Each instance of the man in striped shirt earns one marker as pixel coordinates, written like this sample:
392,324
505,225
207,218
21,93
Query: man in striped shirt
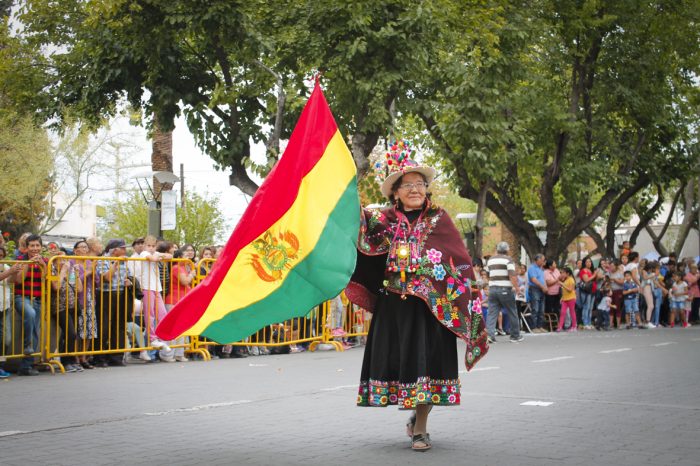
503,283
28,280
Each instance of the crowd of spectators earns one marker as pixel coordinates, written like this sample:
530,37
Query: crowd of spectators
625,292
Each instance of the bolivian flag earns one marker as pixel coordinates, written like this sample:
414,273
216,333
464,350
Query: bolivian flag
294,247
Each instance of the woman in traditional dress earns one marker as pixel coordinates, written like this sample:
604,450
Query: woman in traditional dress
414,274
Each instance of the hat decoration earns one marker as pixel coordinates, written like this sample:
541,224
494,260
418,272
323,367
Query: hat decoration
399,160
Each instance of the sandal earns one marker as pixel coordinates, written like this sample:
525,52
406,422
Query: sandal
410,425
421,442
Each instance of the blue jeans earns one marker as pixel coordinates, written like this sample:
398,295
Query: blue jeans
658,299
586,307
536,298
30,310
502,299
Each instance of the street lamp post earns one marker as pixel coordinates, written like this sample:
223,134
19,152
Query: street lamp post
466,221
154,205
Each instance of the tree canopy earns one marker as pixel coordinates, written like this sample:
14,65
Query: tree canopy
556,110
571,112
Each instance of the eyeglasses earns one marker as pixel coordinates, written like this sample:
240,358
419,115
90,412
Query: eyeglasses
420,185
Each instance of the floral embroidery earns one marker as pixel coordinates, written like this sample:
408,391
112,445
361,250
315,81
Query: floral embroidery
407,395
476,306
434,255
439,272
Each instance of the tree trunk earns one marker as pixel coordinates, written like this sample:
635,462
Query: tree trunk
161,157
512,240
479,222
690,214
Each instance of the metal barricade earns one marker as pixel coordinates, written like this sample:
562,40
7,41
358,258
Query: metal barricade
110,306
21,308
107,306
351,322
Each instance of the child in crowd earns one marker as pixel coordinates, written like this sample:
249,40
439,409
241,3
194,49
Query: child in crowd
604,307
679,298
630,293
522,284
568,299
483,283
153,305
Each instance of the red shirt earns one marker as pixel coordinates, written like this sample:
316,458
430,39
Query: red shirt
587,273
177,289
31,286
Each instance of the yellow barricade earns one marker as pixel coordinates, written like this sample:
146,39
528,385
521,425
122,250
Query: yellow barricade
21,324
110,306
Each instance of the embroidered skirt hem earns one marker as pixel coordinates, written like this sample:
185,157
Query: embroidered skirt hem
409,395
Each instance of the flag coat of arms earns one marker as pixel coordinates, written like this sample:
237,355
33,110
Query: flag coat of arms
293,248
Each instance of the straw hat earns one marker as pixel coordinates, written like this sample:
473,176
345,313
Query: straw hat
399,161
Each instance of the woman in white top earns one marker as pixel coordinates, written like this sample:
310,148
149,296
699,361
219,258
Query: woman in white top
633,266
6,299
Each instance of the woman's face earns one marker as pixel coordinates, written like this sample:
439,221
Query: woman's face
81,249
188,253
206,254
411,191
588,264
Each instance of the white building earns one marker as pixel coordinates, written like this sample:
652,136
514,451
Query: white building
79,221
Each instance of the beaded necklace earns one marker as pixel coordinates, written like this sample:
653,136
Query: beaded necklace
404,253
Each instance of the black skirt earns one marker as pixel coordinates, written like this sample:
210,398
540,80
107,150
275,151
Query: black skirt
410,357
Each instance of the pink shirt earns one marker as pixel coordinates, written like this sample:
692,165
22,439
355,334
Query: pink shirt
552,290
692,281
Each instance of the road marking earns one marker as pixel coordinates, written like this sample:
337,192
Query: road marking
619,350
7,433
666,343
198,408
257,365
560,358
695,339
487,368
339,387
537,403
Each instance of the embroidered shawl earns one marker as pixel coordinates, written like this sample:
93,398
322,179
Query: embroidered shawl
442,279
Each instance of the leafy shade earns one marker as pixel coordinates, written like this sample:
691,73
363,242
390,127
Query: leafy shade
26,175
574,109
200,222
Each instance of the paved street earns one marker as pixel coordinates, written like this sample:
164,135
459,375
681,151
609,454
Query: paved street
593,398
